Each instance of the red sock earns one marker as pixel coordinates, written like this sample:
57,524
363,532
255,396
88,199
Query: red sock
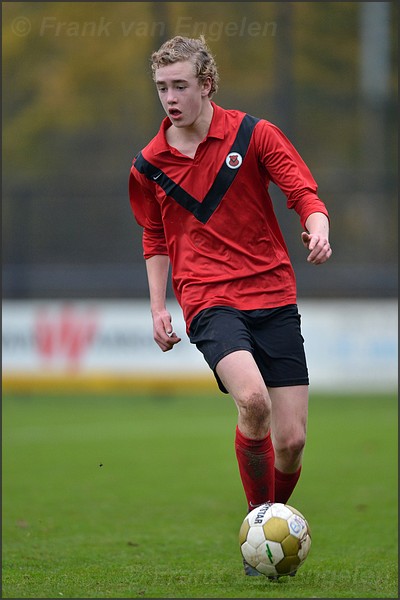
285,484
256,467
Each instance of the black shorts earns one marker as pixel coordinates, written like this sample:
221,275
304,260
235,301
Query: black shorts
273,336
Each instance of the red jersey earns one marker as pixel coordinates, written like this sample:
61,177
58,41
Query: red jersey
213,214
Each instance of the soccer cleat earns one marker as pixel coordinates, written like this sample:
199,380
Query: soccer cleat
249,570
252,572
277,577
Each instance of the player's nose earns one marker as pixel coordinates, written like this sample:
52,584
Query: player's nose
171,98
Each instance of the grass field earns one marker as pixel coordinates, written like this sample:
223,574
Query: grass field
140,497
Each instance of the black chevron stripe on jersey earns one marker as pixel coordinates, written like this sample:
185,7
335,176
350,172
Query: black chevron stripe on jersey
223,180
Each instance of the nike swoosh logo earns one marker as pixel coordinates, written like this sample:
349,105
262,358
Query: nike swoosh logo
258,505
156,176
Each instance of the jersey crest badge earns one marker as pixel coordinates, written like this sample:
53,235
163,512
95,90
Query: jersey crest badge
234,160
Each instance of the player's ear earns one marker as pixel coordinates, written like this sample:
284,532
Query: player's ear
206,86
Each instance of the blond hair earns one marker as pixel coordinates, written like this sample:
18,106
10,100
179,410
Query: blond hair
181,48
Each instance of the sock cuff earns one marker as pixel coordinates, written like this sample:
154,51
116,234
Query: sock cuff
254,445
280,476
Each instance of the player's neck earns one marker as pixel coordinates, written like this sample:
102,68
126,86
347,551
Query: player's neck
187,139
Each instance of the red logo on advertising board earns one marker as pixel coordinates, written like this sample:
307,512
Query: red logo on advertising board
65,334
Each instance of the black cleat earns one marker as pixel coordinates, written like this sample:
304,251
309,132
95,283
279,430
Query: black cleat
277,577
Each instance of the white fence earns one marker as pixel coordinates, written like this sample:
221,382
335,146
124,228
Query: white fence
350,345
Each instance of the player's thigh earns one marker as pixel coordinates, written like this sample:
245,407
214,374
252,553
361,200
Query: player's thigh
289,414
241,376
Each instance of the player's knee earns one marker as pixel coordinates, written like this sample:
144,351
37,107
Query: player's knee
291,447
255,408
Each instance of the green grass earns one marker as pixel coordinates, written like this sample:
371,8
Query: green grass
140,497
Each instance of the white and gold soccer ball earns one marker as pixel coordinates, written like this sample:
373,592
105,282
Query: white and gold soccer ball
275,539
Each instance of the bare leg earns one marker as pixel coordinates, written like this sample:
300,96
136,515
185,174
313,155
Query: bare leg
289,425
241,377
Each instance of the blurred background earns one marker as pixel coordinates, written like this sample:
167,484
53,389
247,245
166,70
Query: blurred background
79,103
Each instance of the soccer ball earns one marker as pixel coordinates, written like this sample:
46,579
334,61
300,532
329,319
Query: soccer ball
275,539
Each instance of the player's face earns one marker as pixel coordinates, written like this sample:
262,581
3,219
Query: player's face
181,94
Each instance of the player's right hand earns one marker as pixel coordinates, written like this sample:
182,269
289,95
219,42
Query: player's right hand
163,334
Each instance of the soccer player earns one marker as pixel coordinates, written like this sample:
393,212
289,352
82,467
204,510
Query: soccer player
199,189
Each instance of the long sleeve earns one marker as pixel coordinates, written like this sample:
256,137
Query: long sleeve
288,171
147,213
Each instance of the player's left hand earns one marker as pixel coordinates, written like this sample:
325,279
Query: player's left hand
320,249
